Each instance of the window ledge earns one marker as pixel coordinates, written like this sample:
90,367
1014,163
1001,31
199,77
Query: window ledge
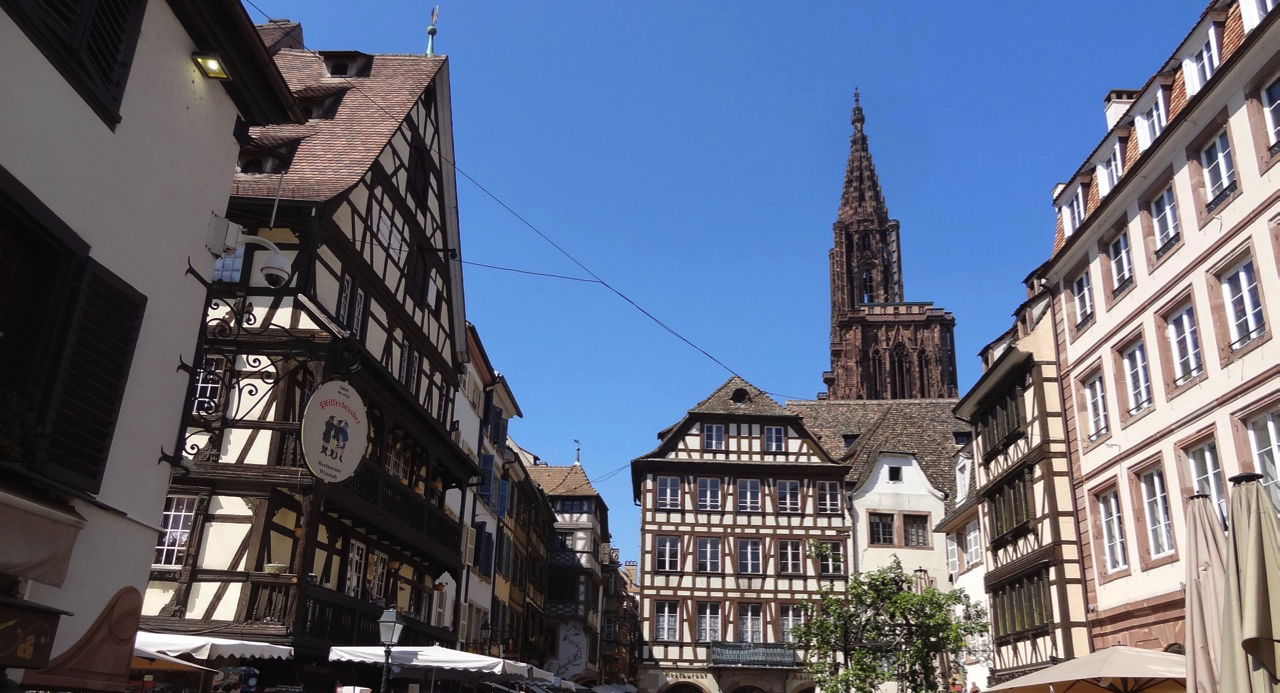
1173,388
1222,197
1135,416
1105,577
1153,563
1088,445
1230,355
1013,534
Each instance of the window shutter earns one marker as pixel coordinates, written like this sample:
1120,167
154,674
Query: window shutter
95,370
502,498
495,426
438,616
462,633
486,553
485,490
469,547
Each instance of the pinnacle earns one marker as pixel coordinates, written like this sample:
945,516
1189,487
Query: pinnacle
861,199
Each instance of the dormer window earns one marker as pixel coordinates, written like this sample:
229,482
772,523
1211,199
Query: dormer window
1201,65
1153,119
252,165
895,473
1073,211
1110,170
338,68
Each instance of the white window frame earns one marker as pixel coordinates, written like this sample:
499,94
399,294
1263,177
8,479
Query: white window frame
713,436
953,554
667,554
1203,64
1110,170
708,621
829,493
1264,438
789,616
1206,476
751,622
1082,294
668,492
750,554
175,531
357,564
1155,505
1153,119
1184,344
1218,165
1242,300
1121,262
377,584
1074,211
1095,402
1271,110
1164,220
709,555
748,495
790,557
709,497
789,496
398,460
1137,377
775,439
1115,556
972,543
831,561
666,620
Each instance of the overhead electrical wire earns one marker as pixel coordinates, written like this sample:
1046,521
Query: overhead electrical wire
594,277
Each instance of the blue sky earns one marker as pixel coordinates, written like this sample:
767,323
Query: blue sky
691,154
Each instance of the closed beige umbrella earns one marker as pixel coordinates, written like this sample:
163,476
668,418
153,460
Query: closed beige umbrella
1205,586
1251,609
1116,669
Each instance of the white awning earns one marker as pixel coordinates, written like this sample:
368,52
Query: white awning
207,647
451,664
147,659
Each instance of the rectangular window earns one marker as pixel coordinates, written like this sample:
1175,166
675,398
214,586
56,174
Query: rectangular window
1137,377
750,622
1243,303
1075,211
1264,436
708,494
788,496
1154,118
1184,344
972,544
357,313
1219,171
790,557
1001,422
563,541
1121,264
175,531
668,554
1271,111
1020,605
709,555
831,560
953,554
1115,558
713,436
748,495
208,394
882,531
1111,170
666,624
828,496
1083,296
775,439
790,615
376,575
1095,404
668,493
916,529
1009,507
1206,476
1155,502
1164,218
398,460
343,311
749,556
1204,62
708,621
356,558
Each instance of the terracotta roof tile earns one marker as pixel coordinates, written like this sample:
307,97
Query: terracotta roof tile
737,396
276,30
338,151
562,481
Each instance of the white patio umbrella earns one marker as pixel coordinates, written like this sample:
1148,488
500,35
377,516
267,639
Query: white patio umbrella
1205,587
209,647
1251,608
1115,670
445,663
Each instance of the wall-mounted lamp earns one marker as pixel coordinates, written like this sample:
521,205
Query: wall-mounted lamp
211,65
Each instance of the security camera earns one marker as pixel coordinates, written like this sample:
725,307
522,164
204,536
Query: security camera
275,270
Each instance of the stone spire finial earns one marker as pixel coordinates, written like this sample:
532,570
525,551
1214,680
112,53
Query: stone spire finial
861,197
857,118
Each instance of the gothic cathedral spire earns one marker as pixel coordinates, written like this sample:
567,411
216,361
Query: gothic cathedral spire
881,347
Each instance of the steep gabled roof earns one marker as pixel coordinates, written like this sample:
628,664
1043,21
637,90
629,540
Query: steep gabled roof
562,481
922,428
737,397
335,152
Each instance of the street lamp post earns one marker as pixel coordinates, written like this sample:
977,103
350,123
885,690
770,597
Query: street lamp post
485,630
389,628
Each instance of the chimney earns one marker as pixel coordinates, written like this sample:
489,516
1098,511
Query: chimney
630,569
1116,103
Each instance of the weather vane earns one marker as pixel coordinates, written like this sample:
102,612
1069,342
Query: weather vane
431,31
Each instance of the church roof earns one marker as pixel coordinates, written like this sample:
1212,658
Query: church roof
856,432
737,396
861,200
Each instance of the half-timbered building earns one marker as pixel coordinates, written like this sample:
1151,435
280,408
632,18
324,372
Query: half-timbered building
117,152
966,549
733,500
361,202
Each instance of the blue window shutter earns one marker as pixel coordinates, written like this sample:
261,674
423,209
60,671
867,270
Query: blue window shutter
502,498
486,555
486,478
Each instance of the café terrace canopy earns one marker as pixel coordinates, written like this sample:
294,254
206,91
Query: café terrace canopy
207,647
450,664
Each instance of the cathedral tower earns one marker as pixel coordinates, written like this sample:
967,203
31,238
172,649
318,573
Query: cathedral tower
882,347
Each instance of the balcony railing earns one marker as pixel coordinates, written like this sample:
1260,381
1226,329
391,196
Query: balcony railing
271,598
753,654
336,618
405,506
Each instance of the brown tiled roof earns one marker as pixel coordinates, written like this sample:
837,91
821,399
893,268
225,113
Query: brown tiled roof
923,428
562,481
751,401
276,29
336,152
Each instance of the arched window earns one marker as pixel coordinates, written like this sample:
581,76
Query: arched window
864,287
899,372
922,374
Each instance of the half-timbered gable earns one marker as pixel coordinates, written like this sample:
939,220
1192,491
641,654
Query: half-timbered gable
742,521
1021,473
359,201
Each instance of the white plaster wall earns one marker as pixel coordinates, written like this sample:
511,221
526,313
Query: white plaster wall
571,657
141,196
971,582
913,494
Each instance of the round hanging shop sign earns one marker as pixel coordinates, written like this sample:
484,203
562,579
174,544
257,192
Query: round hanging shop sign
335,431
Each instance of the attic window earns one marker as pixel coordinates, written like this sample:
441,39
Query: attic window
962,437
895,473
338,68
739,396
252,165
850,439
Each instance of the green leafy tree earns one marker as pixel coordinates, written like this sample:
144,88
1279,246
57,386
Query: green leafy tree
882,629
